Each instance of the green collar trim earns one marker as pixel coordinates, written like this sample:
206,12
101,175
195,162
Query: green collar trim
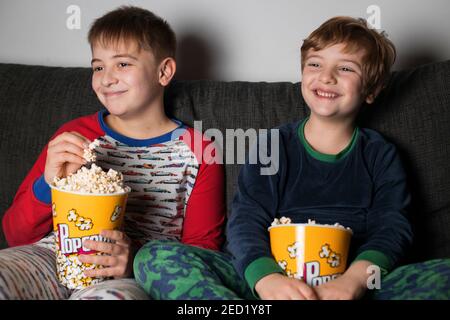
323,156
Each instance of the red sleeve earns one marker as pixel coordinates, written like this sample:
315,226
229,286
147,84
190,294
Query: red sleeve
28,219
205,213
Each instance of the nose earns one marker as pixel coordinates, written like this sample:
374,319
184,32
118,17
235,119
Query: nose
108,78
327,76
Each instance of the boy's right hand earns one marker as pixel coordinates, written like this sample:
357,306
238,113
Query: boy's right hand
65,155
276,286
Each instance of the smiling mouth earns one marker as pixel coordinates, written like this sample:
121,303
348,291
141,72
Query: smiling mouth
113,94
325,94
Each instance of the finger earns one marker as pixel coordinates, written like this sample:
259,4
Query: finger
102,246
66,146
119,236
101,260
64,157
296,295
102,272
308,292
86,140
320,293
289,292
73,137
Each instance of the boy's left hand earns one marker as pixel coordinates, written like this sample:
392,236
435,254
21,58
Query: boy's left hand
350,286
118,258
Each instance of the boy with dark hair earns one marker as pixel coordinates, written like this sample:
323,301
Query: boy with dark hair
133,60
330,171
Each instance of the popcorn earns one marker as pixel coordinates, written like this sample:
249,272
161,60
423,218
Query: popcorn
84,224
314,252
54,214
89,154
294,250
325,252
284,220
334,260
93,180
81,216
282,264
72,215
70,271
116,213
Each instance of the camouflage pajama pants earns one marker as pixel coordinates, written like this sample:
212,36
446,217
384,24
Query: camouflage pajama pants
171,270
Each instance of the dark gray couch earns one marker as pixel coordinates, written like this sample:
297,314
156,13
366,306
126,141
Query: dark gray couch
413,112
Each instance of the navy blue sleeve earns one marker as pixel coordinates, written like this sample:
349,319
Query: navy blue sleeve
389,230
253,209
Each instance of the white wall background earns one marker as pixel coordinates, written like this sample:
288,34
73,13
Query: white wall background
251,40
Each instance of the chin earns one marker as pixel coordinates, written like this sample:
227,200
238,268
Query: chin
116,111
325,115
324,111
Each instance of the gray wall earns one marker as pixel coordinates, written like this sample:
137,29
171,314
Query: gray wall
253,40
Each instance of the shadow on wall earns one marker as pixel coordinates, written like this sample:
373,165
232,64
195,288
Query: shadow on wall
414,56
195,58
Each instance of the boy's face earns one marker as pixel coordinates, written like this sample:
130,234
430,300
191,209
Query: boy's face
332,82
125,79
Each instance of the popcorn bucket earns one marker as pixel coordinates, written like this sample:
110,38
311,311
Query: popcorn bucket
314,253
78,217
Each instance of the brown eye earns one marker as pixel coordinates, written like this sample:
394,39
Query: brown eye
345,69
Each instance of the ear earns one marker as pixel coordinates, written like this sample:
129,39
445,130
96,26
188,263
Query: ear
370,98
167,70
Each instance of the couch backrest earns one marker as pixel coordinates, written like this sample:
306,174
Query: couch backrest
412,112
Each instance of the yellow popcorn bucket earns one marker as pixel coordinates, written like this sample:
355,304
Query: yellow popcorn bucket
314,253
78,217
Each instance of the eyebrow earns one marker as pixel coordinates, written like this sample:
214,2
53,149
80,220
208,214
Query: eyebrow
122,55
344,60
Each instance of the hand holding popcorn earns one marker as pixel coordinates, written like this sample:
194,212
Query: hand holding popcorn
89,153
65,155
276,286
350,286
117,260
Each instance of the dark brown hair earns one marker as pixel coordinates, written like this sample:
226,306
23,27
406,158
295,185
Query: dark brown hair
128,23
379,54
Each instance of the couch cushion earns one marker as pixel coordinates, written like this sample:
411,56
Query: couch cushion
35,101
413,112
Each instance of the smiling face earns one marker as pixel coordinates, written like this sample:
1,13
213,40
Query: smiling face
332,82
125,79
